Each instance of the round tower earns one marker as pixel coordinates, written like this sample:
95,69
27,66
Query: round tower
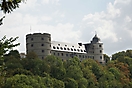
39,43
98,49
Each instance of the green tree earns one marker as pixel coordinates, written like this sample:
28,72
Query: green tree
22,81
5,46
70,83
106,58
7,6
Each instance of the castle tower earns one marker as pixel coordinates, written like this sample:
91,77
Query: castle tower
95,48
98,49
39,43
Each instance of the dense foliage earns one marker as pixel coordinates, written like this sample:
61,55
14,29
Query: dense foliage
53,72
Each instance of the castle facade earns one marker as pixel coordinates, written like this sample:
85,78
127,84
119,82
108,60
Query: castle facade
41,44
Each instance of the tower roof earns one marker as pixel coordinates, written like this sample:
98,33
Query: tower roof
95,39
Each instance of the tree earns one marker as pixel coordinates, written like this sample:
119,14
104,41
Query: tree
7,6
106,58
5,46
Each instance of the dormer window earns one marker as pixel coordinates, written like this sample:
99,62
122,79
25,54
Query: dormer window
61,48
71,49
74,49
54,47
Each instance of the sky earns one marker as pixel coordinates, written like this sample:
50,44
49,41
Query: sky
73,21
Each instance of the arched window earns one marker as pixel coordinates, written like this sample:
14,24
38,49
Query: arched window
54,47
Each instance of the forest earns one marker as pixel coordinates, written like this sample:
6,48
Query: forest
54,72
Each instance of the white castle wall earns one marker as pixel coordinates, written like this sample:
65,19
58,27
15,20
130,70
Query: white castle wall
42,45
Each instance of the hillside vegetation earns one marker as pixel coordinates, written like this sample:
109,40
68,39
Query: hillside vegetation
53,72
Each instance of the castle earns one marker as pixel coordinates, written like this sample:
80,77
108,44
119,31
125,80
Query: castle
41,44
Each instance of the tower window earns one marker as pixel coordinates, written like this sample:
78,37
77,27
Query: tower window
49,39
81,50
42,51
72,46
58,44
65,45
32,39
71,49
100,57
31,45
78,50
100,45
42,44
42,38
68,49
100,51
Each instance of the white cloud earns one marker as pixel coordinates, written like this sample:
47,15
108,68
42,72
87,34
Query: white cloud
114,26
46,18
56,2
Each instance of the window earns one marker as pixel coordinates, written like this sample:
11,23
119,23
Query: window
61,48
62,54
32,39
65,45
58,54
64,48
74,49
54,47
84,50
78,50
100,45
42,38
57,47
31,45
100,51
42,51
42,57
68,49
54,53
71,49
58,44
85,56
50,45
100,57
66,54
49,39
72,46
42,44
81,50
80,56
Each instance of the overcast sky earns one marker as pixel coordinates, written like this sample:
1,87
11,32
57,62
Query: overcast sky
73,21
